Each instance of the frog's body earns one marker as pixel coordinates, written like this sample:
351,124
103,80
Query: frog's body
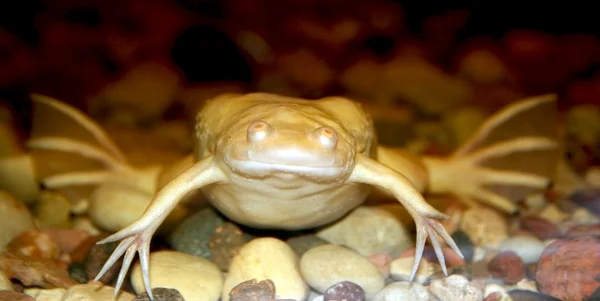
270,161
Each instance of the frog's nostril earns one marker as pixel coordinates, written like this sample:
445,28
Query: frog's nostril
258,130
327,136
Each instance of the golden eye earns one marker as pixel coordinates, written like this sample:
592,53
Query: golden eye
327,136
258,130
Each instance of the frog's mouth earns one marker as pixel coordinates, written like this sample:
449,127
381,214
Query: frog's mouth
263,169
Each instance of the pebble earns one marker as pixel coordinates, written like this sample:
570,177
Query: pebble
267,258
369,230
94,292
34,243
582,216
569,267
494,289
455,287
193,234
32,271
94,257
89,292
382,262
403,290
507,266
160,294
465,245
588,199
528,247
5,283
52,294
484,226
553,214
251,290
131,202
541,228
526,295
196,278
327,265
302,243
14,219
52,210
66,239
344,291
14,296
584,230
225,243
401,268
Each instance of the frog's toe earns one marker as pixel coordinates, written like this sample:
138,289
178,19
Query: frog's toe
429,227
130,244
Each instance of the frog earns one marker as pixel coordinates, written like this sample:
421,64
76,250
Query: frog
279,162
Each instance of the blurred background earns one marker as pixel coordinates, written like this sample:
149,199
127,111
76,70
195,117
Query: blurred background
429,65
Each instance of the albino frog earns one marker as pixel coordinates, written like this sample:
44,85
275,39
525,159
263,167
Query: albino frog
269,161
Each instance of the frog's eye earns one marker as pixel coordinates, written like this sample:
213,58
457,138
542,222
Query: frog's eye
327,136
258,130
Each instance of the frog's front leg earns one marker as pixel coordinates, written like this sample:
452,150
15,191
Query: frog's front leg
137,236
426,217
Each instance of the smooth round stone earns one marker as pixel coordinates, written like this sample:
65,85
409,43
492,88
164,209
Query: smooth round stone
267,258
193,235
344,290
540,227
251,290
303,243
507,266
161,294
485,227
464,244
369,230
569,267
527,295
327,265
403,290
400,269
53,210
14,219
51,294
528,247
196,278
455,287
94,291
115,206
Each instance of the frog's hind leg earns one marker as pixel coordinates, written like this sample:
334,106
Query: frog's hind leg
514,153
80,152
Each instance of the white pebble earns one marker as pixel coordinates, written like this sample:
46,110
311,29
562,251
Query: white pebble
485,227
327,265
369,230
493,288
196,278
528,247
455,287
115,206
403,290
400,269
267,258
14,219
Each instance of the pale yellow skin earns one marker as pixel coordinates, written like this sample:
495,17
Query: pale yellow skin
269,161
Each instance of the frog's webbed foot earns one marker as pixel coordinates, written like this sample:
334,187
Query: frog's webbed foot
515,152
88,155
427,218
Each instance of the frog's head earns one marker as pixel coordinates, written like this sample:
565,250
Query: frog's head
287,140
